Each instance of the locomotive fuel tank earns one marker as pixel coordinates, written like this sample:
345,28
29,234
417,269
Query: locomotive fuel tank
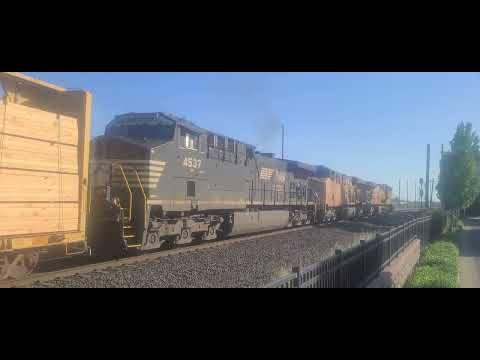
256,220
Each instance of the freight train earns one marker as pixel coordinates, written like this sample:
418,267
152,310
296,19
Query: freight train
152,181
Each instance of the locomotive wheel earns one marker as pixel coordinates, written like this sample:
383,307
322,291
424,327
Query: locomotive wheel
170,243
185,237
221,235
209,234
18,266
152,238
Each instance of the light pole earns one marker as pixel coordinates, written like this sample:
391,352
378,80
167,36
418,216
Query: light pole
431,192
427,178
415,193
407,193
399,192
421,192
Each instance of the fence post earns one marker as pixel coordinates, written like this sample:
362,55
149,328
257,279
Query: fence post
409,236
339,255
415,228
410,230
296,270
419,229
429,228
389,250
423,231
364,258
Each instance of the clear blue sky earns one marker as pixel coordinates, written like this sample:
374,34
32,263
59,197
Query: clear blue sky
372,125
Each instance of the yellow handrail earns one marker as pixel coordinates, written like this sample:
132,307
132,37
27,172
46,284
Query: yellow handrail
129,192
144,196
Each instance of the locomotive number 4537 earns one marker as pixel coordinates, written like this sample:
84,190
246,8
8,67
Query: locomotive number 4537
192,163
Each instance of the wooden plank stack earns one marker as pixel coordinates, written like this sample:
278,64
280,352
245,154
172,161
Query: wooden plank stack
39,177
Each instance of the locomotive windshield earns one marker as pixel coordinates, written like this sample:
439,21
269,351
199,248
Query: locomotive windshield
154,126
142,131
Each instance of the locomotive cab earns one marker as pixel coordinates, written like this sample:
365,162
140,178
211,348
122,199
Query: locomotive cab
125,168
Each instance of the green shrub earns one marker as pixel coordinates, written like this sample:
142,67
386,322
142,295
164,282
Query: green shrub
449,237
438,224
442,254
438,265
427,276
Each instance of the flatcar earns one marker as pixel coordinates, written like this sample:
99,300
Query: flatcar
44,144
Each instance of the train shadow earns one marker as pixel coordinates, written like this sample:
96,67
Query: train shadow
360,227
384,280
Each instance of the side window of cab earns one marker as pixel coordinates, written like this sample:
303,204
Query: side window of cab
211,141
249,156
240,154
188,139
203,143
220,144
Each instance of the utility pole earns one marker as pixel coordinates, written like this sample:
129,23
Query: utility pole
407,193
431,193
399,192
427,179
415,193
283,138
421,192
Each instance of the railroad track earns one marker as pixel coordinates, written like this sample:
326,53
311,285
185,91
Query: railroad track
51,270
47,276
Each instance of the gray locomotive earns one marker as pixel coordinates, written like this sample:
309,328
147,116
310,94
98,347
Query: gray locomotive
158,180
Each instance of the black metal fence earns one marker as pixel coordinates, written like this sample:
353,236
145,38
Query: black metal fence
357,266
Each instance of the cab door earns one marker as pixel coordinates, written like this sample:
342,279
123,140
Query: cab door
191,193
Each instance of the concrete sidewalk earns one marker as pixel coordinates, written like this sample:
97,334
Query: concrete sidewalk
469,260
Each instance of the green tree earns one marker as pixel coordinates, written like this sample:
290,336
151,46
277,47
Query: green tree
459,182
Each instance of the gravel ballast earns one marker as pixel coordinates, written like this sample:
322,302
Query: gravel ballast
250,263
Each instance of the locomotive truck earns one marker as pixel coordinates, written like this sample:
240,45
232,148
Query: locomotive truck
152,181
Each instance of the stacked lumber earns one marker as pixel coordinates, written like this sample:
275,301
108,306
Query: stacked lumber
39,182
